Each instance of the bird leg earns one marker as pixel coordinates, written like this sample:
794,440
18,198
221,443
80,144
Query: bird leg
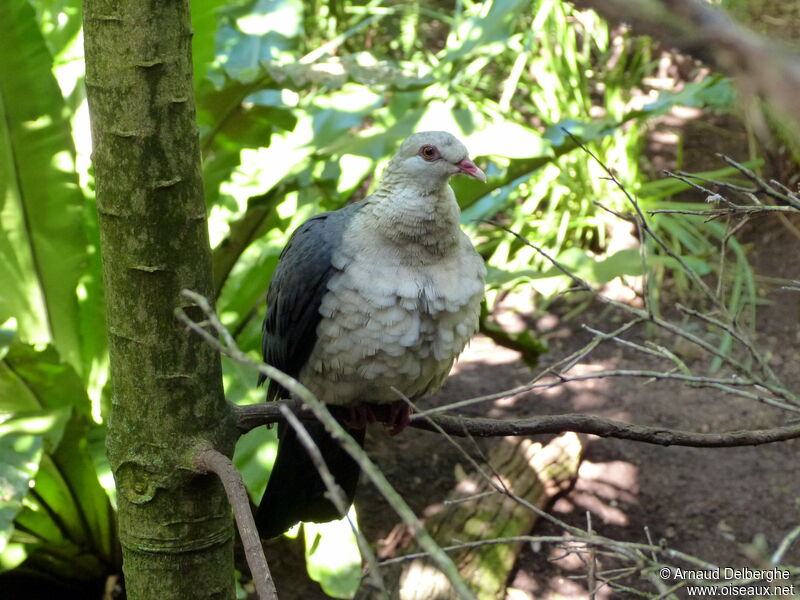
399,417
360,415
395,419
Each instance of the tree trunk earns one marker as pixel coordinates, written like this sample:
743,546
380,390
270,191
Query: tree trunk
175,526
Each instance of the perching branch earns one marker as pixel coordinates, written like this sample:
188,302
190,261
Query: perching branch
213,461
255,415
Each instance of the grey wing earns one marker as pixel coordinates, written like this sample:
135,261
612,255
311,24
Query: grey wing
296,291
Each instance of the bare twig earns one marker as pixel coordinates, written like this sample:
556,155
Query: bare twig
786,543
484,427
591,570
212,461
789,198
756,382
647,232
335,494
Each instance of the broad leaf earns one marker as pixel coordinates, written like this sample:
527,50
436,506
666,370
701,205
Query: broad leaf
204,27
42,240
480,31
68,518
36,380
65,519
510,140
332,556
20,454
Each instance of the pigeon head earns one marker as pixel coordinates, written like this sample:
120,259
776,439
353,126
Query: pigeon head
430,158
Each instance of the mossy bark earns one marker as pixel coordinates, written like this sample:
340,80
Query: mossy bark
175,525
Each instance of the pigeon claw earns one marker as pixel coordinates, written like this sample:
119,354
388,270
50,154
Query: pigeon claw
399,417
360,416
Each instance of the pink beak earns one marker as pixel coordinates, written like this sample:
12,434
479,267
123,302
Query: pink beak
468,167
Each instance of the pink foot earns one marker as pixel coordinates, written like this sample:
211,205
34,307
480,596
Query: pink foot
399,417
360,416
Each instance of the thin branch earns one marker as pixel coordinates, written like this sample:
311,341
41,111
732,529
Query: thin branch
789,198
645,228
735,210
786,543
335,494
579,538
789,400
591,570
754,353
213,461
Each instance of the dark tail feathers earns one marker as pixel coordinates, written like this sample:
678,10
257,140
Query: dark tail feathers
295,491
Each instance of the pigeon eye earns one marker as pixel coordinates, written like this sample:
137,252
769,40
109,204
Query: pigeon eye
429,153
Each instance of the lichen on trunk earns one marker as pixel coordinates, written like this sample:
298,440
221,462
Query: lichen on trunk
175,525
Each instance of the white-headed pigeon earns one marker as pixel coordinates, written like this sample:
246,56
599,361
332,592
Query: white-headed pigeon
384,293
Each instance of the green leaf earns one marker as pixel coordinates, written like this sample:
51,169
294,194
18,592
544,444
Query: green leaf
714,91
20,454
48,424
35,380
625,262
578,262
60,23
66,523
204,26
585,131
332,556
69,516
232,118
268,31
8,332
479,31
254,457
42,239
510,140
246,286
